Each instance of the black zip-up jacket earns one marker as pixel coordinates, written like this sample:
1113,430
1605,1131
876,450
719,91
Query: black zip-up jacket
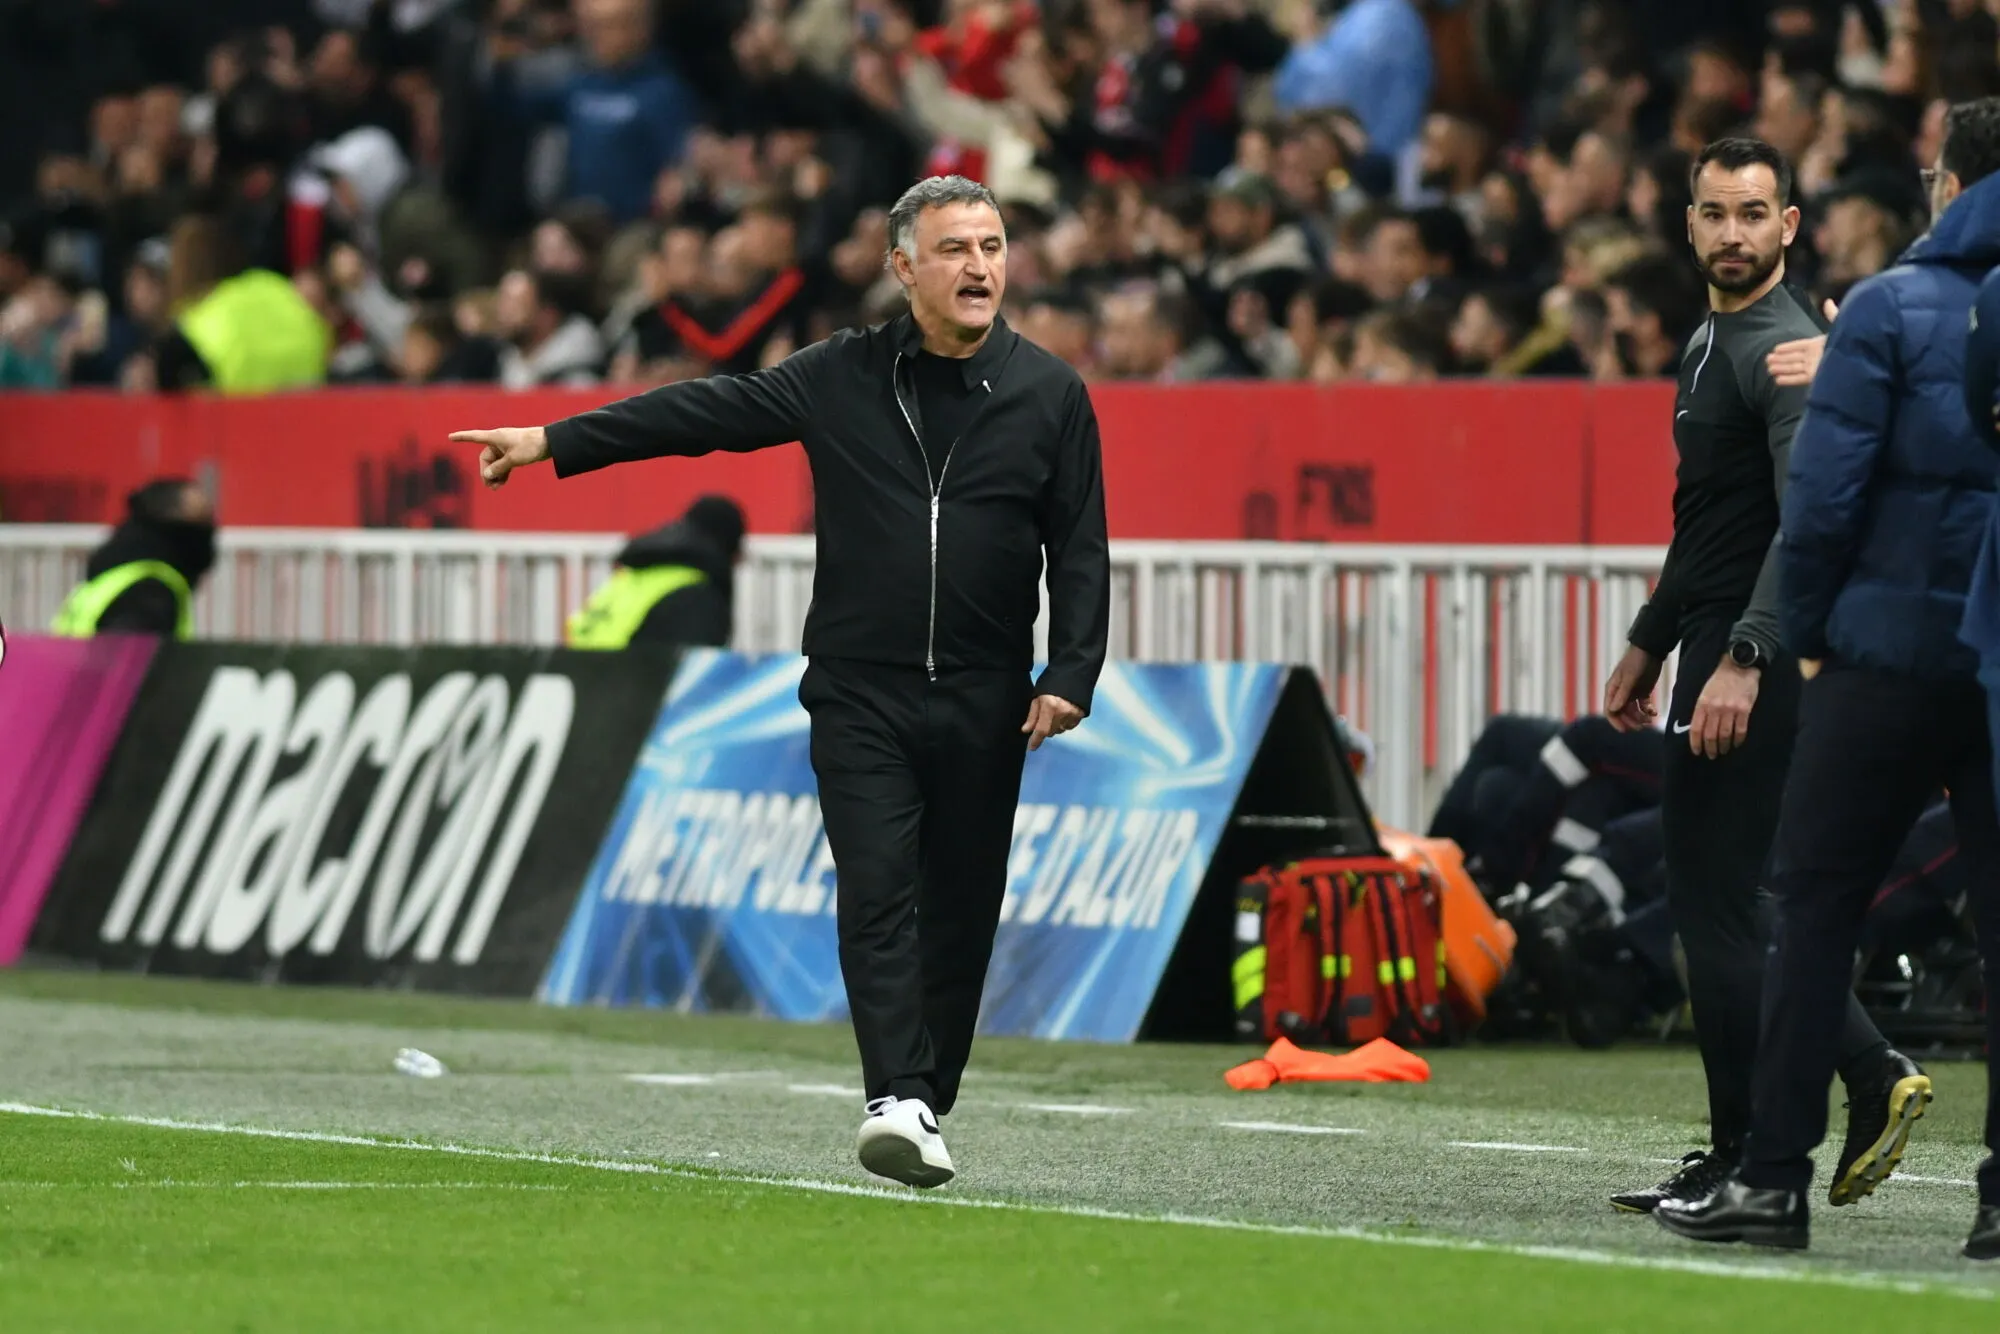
922,562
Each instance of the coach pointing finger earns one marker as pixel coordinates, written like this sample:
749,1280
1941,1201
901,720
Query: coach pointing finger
950,457
506,449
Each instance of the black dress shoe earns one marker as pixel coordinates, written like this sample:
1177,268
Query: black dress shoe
1984,1243
1742,1213
1881,1109
1699,1174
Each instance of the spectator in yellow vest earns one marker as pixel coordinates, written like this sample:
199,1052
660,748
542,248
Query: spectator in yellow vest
674,585
236,330
142,579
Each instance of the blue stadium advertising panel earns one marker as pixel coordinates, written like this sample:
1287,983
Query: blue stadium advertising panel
714,887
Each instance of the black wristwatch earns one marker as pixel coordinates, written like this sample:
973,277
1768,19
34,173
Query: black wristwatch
1746,654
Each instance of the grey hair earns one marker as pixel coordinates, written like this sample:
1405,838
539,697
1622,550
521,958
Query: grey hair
931,192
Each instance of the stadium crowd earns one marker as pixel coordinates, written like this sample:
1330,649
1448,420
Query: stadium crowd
536,192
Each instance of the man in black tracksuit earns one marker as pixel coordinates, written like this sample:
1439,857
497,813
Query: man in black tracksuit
948,455
1734,710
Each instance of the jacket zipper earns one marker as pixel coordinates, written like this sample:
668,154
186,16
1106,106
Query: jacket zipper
936,488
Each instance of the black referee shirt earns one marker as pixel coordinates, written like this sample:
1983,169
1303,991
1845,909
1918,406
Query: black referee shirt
1733,427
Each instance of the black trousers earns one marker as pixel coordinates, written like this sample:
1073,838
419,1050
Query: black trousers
1719,817
1872,750
918,782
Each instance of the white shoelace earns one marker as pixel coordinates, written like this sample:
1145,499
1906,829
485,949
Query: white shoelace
877,1106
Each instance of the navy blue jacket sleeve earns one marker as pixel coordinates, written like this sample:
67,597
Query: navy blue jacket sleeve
1982,361
1783,407
1849,415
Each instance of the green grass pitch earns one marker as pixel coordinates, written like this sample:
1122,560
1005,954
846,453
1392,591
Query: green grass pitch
190,1156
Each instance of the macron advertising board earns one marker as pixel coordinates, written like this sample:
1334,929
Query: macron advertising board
361,815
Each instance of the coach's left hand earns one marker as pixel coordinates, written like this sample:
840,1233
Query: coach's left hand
1721,719
1795,363
1049,715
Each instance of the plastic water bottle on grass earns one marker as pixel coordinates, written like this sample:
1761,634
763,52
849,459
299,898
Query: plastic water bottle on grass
423,1065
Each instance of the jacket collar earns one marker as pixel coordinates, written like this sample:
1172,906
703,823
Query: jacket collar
978,367
1968,232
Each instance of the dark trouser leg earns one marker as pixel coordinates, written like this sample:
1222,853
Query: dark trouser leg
1718,817
866,744
1867,757
1508,743
1632,760
1986,910
976,755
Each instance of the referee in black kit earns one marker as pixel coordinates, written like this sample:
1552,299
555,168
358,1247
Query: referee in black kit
1892,487
948,455
1734,712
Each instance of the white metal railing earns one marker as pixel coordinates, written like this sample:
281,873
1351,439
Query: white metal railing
1417,645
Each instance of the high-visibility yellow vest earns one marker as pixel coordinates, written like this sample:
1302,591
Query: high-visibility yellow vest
91,599
257,334
617,609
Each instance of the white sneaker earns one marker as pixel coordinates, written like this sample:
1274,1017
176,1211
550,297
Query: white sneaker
900,1140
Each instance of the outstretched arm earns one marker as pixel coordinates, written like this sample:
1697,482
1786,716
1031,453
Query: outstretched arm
736,413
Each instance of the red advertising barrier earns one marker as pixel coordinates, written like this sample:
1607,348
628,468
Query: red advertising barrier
1558,463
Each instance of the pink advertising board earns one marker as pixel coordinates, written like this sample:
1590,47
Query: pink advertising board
62,703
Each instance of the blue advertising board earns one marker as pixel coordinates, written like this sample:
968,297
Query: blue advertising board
714,888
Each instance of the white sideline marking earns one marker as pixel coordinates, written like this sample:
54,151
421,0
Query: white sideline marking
1929,1181
1708,1268
1504,1147
694,1079
1074,1108
1280,1128
672,1079
824,1090
168,1183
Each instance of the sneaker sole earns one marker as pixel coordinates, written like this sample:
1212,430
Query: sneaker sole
898,1159
1773,1238
1908,1101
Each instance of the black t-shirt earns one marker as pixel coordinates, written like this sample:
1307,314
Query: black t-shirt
946,405
1733,427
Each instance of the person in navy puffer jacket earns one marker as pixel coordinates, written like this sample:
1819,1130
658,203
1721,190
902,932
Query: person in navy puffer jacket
1980,632
1889,494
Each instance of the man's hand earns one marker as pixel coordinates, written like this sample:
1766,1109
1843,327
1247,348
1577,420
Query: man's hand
1722,715
1048,716
506,449
1808,668
1628,695
1796,362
